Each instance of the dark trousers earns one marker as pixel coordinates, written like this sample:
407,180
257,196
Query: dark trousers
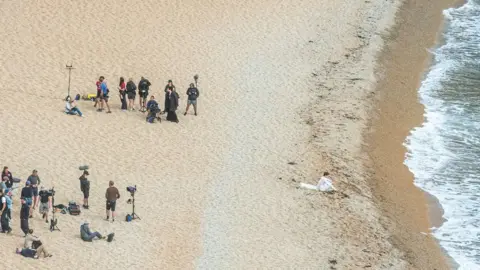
4,221
123,100
24,225
172,116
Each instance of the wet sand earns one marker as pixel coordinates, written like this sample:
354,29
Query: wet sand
411,212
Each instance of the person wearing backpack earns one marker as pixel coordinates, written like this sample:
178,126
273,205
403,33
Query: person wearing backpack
193,94
4,214
143,87
131,87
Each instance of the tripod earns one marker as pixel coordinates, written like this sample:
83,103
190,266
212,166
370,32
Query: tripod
134,215
53,220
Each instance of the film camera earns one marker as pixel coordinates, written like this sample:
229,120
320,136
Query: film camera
132,190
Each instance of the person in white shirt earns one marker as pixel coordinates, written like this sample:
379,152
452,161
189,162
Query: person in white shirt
71,107
39,246
325,184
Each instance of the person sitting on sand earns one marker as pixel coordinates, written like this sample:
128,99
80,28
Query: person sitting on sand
71,107
87,235
33,242
325,183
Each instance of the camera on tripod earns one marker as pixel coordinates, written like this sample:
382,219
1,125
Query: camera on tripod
132,190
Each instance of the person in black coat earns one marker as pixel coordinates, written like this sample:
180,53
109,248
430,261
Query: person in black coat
24,216
171,104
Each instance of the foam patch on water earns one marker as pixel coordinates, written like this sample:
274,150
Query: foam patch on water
443,153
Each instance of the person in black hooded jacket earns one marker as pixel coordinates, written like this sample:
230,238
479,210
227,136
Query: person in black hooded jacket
171,105
131,87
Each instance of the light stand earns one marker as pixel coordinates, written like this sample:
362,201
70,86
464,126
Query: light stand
134,215
69,67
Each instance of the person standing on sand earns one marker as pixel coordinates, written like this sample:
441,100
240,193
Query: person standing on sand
122,89
111,195
143,87
4,214
131,87
85,188
104,95
98,83
8,174
171,105
27,194
193,94
24,217
35,181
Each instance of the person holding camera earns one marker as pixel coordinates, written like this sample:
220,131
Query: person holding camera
45,203
112,195
34,181
85,188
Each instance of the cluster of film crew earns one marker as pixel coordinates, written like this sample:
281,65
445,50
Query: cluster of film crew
31,198
128,91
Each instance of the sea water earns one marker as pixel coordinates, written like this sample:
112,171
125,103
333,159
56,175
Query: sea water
444,153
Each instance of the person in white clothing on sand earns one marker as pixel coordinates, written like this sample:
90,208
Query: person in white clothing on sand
325,184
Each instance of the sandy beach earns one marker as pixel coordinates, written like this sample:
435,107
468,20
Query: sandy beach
280,82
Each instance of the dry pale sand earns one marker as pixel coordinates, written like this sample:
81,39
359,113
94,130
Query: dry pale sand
280,82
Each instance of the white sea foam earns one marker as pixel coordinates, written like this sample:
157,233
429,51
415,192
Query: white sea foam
444,151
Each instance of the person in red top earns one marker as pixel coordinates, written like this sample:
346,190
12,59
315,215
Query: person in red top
122,90
98,83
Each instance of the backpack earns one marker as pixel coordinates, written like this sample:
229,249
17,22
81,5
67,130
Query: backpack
128,218
74,208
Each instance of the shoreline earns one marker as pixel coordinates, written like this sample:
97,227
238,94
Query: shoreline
411,211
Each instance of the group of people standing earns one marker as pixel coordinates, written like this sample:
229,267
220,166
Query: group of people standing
128,90
30,199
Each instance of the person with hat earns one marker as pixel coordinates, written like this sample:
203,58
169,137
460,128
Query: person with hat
27,194
34,181
193,94
85,188
45,203
86,234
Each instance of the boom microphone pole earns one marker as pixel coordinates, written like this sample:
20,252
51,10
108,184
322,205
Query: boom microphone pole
196,79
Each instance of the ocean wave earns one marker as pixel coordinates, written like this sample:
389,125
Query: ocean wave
443,153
